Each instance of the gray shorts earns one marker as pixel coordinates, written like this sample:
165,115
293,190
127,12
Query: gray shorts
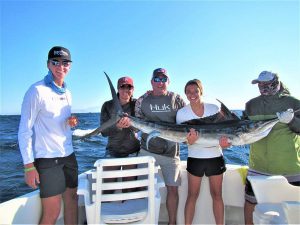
170,167
56,174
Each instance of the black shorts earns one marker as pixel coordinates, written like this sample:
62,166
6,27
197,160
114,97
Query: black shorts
249,193
56,174
208,167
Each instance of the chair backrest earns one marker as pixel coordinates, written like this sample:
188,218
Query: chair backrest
144,182
273,189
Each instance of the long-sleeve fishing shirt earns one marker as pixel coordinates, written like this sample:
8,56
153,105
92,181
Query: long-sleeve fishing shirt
121,142
43,130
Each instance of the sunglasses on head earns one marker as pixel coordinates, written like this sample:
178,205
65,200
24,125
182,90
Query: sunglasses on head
58,63
160,79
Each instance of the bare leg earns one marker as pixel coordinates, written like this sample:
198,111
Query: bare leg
194,183
50,209
70,206
215,185
248,212
172,203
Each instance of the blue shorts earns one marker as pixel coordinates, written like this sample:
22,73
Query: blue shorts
206,166
56,174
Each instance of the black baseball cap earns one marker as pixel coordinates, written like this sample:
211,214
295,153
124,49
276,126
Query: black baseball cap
58,52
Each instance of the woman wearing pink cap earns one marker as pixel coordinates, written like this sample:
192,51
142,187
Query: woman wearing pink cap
122,139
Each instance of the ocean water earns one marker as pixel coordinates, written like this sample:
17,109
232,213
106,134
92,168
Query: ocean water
12,182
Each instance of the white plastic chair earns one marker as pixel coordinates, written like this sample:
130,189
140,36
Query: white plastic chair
278,201
138,207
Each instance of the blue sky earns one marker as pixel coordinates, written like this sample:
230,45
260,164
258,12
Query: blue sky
225,44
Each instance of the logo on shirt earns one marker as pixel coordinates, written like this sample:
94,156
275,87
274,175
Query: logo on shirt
160,108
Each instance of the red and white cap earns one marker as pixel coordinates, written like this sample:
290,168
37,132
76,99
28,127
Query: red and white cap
125,81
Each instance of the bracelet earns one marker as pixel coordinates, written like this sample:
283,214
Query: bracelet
29,169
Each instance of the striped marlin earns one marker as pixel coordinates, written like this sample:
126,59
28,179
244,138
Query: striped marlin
238,131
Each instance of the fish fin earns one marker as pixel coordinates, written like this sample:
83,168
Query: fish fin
114,119
228,115
151,135
116,101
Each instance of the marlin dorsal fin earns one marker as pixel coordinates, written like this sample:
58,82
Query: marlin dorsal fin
227,113
114,118
116,101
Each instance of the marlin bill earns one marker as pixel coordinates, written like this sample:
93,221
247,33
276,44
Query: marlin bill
240,132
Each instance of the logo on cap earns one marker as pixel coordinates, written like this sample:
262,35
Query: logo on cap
60,53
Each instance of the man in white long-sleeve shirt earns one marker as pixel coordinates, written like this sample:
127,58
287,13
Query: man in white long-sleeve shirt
45,140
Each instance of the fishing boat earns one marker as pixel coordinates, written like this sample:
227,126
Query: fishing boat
278,201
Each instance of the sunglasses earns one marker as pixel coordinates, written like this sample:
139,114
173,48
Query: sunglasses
160,79
124,86
58,63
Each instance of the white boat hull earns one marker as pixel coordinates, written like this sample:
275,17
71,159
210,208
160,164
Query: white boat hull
26,209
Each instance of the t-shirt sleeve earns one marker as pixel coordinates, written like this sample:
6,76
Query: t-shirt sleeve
180,116
138,107
179,101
